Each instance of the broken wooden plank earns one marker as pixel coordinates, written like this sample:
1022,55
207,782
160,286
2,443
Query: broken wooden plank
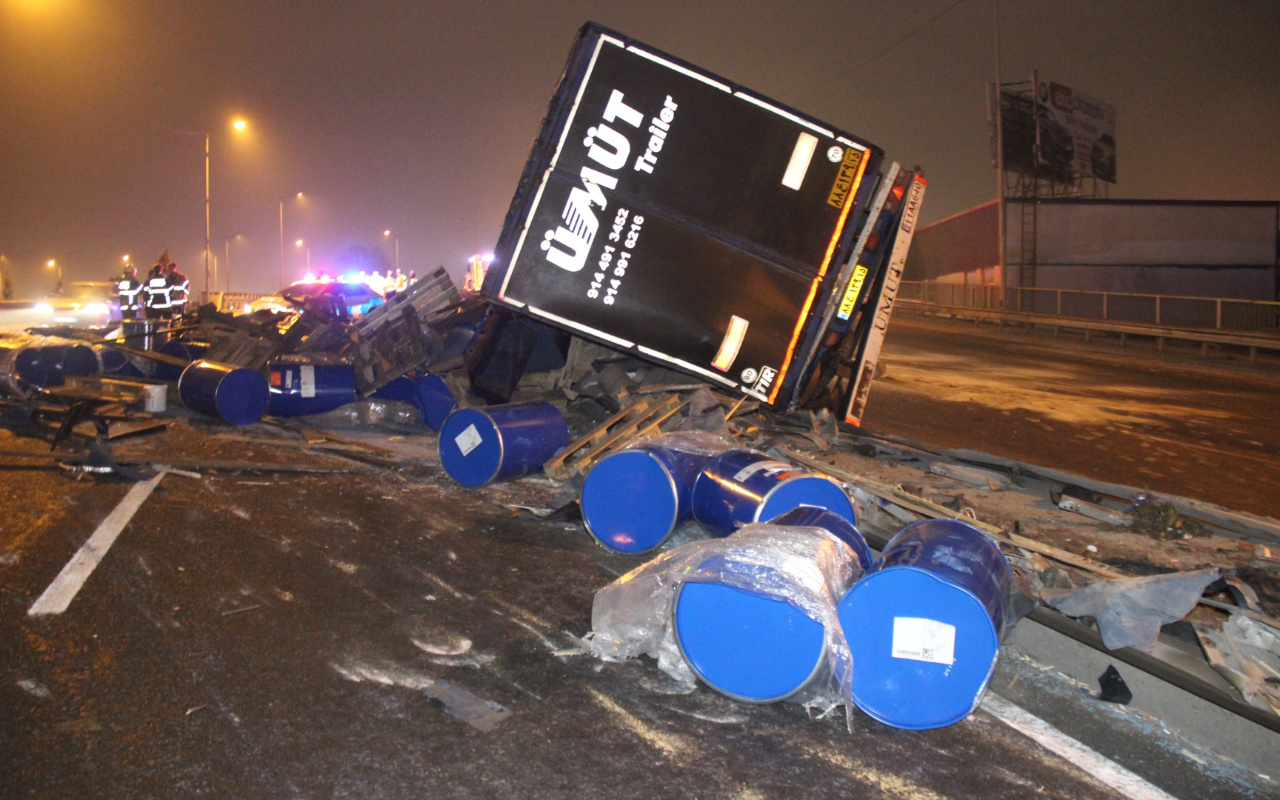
927,509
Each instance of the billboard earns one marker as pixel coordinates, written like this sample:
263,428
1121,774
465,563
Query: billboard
1076,132
669,212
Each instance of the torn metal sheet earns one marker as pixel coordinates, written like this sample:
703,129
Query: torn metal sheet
972,475
1093,511
1247,653
1130,611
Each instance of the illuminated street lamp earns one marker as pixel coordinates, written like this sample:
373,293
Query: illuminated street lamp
51,264
387,235
282,199
301,243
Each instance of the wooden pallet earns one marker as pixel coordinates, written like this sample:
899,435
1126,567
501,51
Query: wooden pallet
642,417
396,346
425,300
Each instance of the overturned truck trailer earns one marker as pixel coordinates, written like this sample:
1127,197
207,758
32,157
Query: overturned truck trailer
670,213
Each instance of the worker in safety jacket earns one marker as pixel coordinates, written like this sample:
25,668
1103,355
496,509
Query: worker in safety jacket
129,293
179,291
157,293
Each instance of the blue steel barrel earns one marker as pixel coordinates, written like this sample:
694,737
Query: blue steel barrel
925,627
633,499
481,445
298,389
745,645
187,351
839,528
739,487
113,362
144,334
31,365
235,394
402,390
79,359
435,401
55,362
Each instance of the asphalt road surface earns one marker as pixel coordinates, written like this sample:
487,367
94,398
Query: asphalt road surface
1208,429
384,633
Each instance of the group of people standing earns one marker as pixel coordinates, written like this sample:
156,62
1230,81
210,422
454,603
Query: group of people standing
163,295
392,284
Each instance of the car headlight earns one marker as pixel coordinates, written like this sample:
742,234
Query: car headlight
44,308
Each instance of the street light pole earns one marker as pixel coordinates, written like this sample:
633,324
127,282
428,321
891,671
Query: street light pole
206,212
282,199
1001,204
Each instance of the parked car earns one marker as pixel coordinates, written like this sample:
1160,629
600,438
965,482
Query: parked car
80,304
356,297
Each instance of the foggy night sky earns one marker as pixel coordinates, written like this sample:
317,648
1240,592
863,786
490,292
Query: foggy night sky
418,116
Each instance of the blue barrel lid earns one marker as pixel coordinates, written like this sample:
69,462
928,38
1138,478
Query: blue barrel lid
630,501
745,645
242,396
470,447
817,491
31,366
923,648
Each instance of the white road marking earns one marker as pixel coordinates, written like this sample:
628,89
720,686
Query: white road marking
64,587
1079,754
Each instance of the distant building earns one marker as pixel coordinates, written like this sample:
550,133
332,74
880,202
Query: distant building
1171,247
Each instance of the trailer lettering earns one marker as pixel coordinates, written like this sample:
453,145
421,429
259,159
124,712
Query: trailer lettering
658,127
568,245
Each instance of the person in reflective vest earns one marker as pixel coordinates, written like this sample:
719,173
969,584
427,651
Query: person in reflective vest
179,291
157,293
129,291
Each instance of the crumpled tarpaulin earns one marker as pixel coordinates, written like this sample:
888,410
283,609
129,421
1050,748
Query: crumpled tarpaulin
1130,611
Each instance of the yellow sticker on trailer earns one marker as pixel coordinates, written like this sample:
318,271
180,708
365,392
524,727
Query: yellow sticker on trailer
846,178
851,294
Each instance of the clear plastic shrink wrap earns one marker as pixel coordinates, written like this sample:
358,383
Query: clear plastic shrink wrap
805,567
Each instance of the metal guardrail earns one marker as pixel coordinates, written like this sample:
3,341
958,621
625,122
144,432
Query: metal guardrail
1173,311
1253,342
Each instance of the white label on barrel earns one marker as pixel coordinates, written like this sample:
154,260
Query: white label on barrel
924,640
752,469
307,375
468,440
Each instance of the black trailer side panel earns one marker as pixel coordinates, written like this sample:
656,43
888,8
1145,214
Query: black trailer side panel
666,210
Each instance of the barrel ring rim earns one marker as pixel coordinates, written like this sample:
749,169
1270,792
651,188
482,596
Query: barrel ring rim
675,508
819,663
